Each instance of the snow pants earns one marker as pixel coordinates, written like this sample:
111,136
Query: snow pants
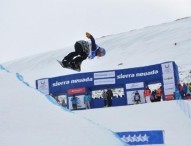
78,56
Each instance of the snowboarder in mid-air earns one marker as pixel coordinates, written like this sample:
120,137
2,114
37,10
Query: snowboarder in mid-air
83,49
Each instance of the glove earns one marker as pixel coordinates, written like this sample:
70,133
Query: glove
88,35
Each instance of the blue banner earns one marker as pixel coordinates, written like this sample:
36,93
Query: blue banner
122,78
142,137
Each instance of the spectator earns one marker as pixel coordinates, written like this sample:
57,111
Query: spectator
177,94
87,100
74,102
185,89
104,95
147,94
189,87
64,103
159,94
57,99
180,88
153,96
109,97
137,97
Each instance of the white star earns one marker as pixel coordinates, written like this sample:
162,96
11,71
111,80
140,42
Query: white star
124,138
129,139
134,138
139,138
145,138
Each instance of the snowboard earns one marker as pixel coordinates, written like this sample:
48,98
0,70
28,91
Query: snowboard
60,62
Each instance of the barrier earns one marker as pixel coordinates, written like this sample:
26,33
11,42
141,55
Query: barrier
131,80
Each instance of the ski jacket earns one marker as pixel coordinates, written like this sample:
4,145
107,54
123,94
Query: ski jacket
137,97
189,87
180,88
159,92
89,48
177,94
185,88
94,48
85,46
153,95
74,100
109,94
87,98
104,95
147,92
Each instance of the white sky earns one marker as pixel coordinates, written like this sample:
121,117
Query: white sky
30,27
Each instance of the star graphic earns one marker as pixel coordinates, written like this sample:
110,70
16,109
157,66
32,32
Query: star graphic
124,138
129,139
139,138
134,138
145,138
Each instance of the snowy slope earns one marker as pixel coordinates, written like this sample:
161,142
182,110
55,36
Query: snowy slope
165,116
150,45
28,118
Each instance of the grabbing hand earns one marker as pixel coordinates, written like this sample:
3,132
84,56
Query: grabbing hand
88,35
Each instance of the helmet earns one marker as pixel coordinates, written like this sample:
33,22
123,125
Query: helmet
102,51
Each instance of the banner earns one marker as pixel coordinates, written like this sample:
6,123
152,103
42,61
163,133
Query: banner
76,91
104,81
135,85
142,137
131,94
168,80
104,74
43,86
130,79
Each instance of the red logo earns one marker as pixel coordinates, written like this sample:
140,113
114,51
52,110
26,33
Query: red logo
76,91
169,97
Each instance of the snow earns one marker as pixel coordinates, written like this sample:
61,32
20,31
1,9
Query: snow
30,118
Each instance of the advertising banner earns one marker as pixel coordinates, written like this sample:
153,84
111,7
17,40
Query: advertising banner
104,81
43,86
135,85
130,79
142,137
131,95
167,68
168,80
108,74
76,91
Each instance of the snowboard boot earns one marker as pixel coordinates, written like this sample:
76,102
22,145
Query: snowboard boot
65,63
76,66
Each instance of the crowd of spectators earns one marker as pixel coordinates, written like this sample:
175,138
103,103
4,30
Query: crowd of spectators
154,96
183,91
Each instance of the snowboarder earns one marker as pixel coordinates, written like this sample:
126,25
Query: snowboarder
83,49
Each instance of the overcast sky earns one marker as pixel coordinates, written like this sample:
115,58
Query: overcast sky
29,27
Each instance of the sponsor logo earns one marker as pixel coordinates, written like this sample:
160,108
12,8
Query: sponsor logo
76,91
134,138
141,74
142,137
75,81
104,74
